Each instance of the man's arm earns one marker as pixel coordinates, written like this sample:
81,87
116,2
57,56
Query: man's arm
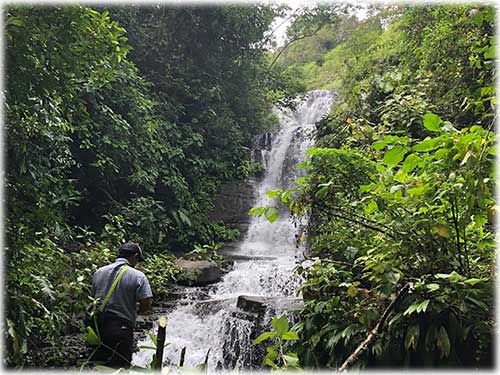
145,306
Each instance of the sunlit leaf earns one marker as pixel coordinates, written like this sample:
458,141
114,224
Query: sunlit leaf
427,144
290,335
410,163
264,336
476,281
442,230
394,156
280,325
379,145
372,206
91,337
272,214
273,193
432,122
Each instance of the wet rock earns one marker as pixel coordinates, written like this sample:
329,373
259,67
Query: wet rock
200,272
232,204
258,304
144,322
239,331
70,354
241,257
212,306
252,304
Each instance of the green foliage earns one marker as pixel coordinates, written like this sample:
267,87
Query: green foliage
418,209
221,233
205,252
270,213
161,273
277,356
252,169
400,189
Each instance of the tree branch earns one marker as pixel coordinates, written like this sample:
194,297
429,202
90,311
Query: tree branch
358,216
266,39
454,213
331,261
285,47
354,357
361,222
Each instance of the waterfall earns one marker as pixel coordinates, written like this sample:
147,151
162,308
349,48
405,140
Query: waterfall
271,253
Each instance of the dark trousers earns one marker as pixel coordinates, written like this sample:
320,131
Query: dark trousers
118,341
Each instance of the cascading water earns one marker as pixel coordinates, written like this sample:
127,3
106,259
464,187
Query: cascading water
270,252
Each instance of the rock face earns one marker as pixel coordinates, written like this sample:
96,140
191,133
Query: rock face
252,304
202,272
236,198
259,305
232,204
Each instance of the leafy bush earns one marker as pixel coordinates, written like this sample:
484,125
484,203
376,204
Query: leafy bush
161,272
277,356
205,252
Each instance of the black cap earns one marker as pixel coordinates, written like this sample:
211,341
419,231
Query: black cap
131,248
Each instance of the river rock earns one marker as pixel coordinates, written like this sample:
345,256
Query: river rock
258,304
144,322
252,304
203,272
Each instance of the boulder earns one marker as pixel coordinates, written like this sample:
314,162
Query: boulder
253,304
259,304
200,272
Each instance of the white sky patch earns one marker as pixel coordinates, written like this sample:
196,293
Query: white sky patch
281,24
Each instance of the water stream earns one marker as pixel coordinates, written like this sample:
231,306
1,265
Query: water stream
214,321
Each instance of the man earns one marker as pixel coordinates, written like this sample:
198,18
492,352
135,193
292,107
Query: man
118,320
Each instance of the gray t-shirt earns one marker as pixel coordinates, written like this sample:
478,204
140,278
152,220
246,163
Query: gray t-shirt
132,287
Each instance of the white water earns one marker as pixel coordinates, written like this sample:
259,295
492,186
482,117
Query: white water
215,324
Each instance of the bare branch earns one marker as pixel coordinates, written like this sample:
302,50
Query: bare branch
289,43
266,39
366,344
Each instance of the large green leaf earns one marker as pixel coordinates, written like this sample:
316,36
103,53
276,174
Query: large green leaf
411,339
280,325
264,336
443,342
91,337
474,281
432,122
394,156
257,211
410,163
290,336
371,207
272,214
291,360
322,191
427,144
273,193
379,145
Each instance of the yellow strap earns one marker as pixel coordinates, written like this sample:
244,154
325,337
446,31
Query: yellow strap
113,287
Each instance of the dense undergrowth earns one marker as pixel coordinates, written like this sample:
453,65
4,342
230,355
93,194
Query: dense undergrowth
400,190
